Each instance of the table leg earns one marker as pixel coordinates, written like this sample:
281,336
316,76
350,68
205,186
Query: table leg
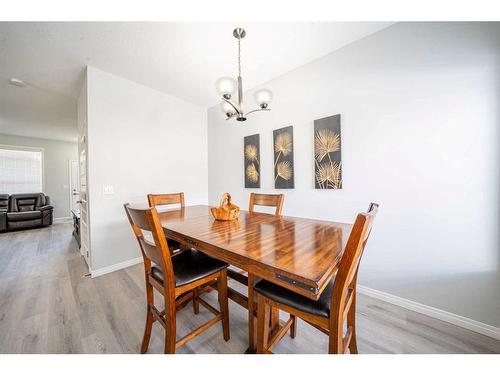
252,342
274,320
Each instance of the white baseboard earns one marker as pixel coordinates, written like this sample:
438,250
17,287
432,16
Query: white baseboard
60,220
446,316
115,267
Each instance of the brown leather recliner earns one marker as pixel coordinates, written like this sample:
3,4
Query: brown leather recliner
25,211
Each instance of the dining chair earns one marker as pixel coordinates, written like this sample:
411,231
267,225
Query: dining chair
336,306
155,200
270,200
173,276
169,199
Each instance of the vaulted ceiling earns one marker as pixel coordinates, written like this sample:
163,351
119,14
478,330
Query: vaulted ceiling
181,59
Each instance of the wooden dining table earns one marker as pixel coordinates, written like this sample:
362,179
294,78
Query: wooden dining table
296,253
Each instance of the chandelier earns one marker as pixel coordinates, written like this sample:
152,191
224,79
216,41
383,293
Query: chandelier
226,86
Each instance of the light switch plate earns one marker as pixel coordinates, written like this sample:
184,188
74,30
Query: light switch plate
108,189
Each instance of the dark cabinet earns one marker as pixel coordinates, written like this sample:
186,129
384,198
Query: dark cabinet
76,225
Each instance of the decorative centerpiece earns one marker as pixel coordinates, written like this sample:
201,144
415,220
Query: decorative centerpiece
226,210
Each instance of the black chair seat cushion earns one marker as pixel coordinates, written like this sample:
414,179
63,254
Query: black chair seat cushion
189,266
275,292
22,216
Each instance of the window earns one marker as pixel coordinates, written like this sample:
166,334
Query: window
20,170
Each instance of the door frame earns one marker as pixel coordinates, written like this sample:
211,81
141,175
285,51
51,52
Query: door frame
70,183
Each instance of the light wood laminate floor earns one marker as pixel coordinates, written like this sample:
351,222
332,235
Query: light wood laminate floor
47,306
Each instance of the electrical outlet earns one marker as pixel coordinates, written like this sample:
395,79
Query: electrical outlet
108,189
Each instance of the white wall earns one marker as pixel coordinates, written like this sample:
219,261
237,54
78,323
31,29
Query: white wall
140,141
56,155
420,114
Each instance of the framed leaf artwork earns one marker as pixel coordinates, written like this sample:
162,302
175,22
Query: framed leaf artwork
251,153
283,158
327,153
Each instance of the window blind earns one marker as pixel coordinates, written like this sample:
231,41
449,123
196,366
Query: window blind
20,171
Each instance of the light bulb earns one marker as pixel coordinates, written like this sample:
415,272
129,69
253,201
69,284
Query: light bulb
225,86
227,108
263,97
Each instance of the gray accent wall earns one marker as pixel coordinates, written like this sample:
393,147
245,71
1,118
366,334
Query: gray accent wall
56,155
420,107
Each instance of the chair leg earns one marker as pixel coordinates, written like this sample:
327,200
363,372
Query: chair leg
293,327
149,316
335,339
223,303
170,334
196,304
274,320
351,322
147,330
263,316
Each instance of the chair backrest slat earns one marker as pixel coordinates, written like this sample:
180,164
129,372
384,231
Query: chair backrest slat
164,199
138,218
156,251
152,252
269,200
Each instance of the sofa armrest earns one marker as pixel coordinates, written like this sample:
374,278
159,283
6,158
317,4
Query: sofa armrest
3,220
47,213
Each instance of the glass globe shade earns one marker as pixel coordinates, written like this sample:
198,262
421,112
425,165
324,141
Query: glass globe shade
225,85
227,108
263,96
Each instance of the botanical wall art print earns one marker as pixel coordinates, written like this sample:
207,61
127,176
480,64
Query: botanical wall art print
283,158
327,153
252,161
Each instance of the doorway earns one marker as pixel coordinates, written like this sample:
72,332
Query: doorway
74,185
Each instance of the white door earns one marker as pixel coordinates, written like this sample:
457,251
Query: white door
74,184
83,197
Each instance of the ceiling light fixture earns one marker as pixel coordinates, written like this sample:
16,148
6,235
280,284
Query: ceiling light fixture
17,82
227,85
